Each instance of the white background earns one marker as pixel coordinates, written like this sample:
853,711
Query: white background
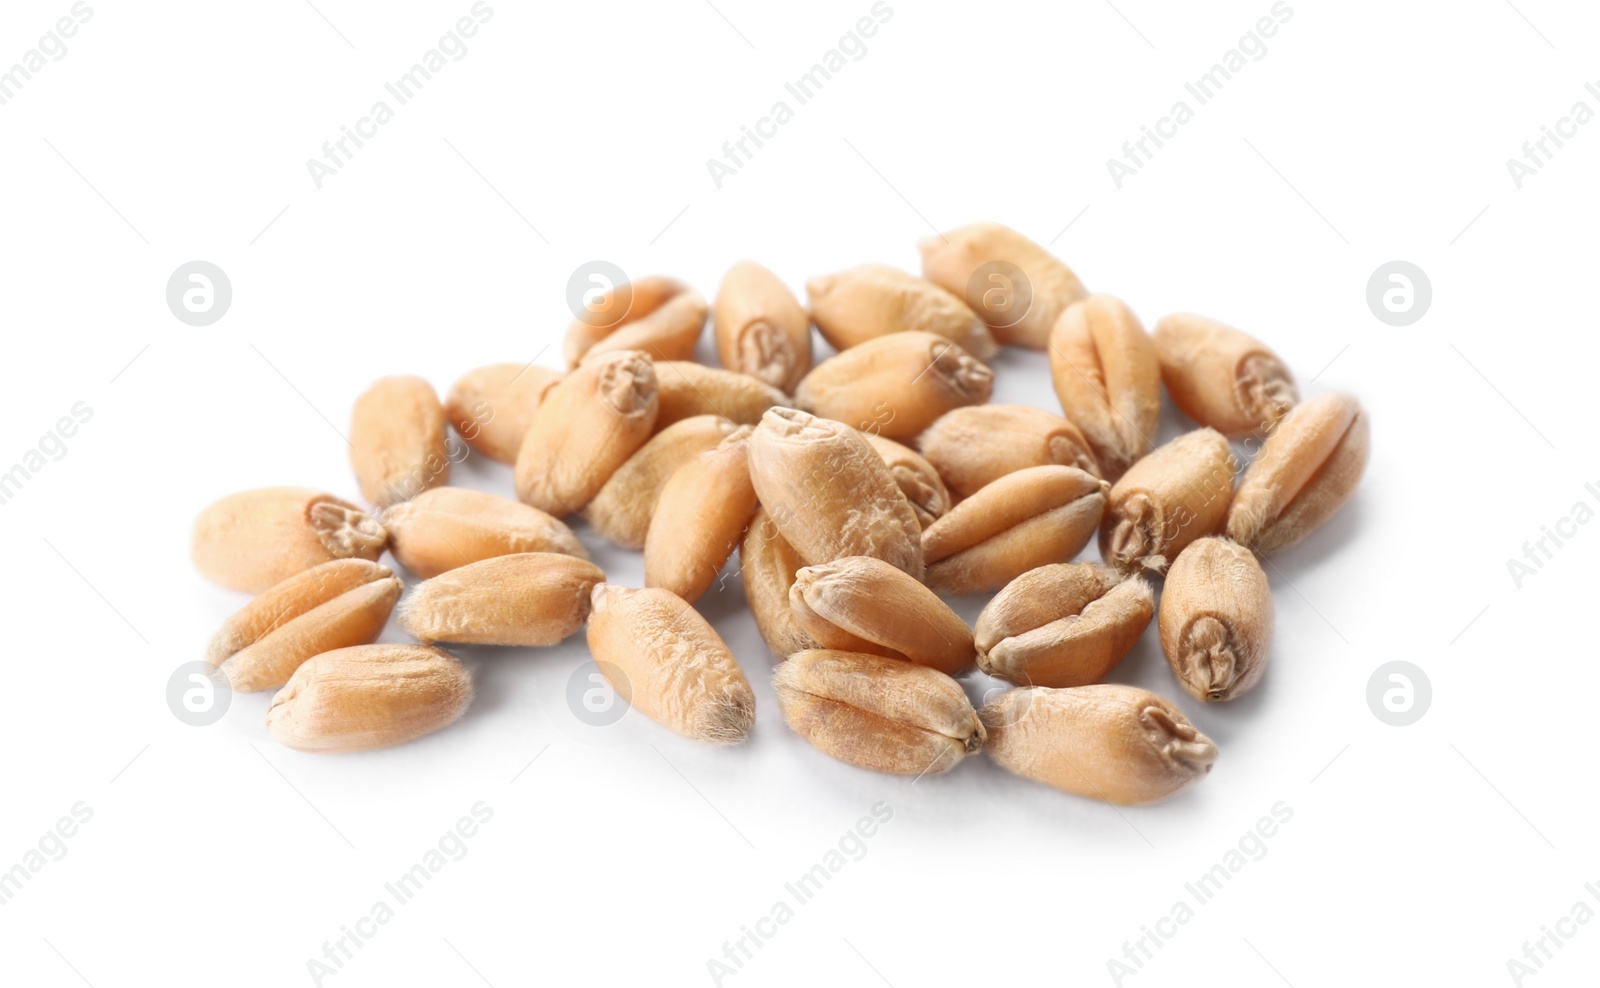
1368,132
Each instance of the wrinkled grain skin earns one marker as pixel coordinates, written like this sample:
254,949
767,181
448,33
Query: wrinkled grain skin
1120,744
528,598
895,386
254,539
1108,379
918,480
452,526
877,713
1216,619
617,308
1167,500
830,493
1022,521
621,511
975,446
767,567
760,327
1017,315
704,510
874,300
665,660
398,443
1063,625
334,605
1223,378
688,388
491,407
1305,472
584,430
862,604
369,696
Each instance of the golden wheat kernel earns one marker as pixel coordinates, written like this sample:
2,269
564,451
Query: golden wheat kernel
369,696
875,300
398,443
918,480
527,598
447,527
255,539
829,493
767,567
621,511
614,310
337,604
1216,619
1221,377
760,327
491,407
1108,379
586,427
1306,470
1067,624
704,509
687,389
974,446
1120,744
1016,286
863,604
1024,520
878,713
668,663
895,386
1167,500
